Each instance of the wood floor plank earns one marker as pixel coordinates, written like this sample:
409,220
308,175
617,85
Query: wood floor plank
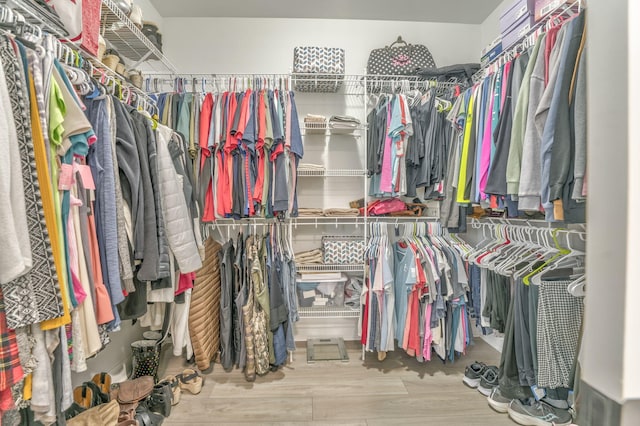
452,419
311,423
436,404
397,390
292,385
202,409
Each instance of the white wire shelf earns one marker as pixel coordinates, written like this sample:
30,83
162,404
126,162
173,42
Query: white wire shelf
349,84
330,268
392,219
331,173
327,221
328,312
356,84
39,15
563,8
321,220
313,128
129,41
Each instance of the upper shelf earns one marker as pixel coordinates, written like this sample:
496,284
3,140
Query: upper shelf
129,41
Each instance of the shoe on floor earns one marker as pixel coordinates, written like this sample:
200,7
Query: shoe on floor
538,414
497,401
473,373
488,381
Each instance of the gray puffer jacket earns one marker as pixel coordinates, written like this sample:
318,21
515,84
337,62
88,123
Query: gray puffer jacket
177,218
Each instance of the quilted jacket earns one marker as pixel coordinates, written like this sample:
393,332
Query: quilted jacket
177,218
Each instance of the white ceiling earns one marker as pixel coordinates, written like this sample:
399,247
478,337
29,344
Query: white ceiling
450,11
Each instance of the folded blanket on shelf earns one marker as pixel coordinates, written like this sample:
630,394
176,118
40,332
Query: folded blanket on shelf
309,257
343,122
342,212
313,118
308,212
309,166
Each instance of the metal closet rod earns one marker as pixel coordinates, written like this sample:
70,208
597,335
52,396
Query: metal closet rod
528,224
322,220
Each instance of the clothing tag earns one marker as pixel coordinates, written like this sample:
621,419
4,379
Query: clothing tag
571,399
65,179
87,177
308,294
538,393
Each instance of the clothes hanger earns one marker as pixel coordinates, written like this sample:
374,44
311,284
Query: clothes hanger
540,250
577,287
560,252
571,259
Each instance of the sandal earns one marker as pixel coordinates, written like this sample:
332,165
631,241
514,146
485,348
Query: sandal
175,388
191,380
146,417
161,398
84,396
99,396
103,380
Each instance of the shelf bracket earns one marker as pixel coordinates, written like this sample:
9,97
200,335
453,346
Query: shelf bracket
142,59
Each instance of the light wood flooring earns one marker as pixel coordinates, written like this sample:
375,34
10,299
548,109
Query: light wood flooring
396,391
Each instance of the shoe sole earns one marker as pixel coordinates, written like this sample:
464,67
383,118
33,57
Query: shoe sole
500,407
472,383
485,391
531,421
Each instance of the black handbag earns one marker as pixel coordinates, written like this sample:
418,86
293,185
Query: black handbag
461,74
400,58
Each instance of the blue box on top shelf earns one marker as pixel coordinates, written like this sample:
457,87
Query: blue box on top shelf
491,52
516,21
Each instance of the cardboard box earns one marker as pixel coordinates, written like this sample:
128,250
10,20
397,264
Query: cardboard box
491,54
544,7
520,29
512,17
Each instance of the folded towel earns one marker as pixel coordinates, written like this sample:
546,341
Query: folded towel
342,212
344,120
309,212
315,118
309,166
309,257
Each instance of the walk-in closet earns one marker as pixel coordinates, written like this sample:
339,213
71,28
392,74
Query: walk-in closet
338,213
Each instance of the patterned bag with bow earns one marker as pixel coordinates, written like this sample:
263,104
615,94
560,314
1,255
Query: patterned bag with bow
400,58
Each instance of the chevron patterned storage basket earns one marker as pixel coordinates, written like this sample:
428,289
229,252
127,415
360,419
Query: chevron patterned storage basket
343,250
323,69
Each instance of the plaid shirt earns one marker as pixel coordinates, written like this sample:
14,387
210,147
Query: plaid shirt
10,368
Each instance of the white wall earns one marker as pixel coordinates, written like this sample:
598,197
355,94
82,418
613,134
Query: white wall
490,28
259,45
631,386
604,342
149,13
111,358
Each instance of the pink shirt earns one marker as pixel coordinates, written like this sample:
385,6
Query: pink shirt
428,337
385,176
485,155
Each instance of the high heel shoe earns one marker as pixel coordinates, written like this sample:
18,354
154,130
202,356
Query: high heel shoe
191,380
175,388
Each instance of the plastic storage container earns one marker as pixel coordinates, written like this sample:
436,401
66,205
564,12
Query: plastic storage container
320,293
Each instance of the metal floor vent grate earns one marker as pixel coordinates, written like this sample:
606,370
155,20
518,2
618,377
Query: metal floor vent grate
326,350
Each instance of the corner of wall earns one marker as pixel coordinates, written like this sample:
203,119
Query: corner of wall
490,28
150,13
